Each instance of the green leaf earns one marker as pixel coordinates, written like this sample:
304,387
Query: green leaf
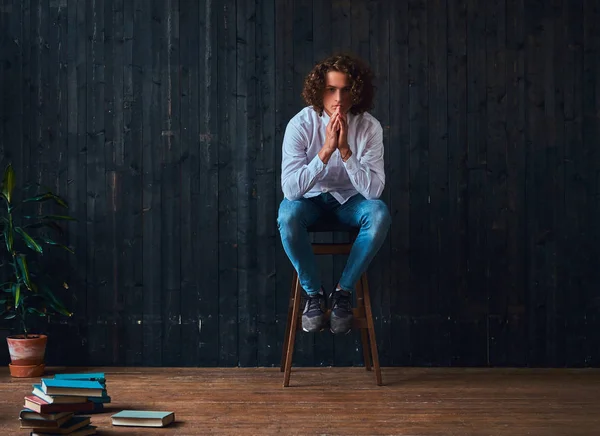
34,310
22,264
31,243
51,242
57,305
17,294
53,301
50,224
8,183
11,316
48,196
58,217
9,235
3,301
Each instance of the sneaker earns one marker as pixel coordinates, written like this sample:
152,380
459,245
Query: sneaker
314,313
341,312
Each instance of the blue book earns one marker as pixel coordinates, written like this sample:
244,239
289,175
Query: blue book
103,399
97,376
143,418
56,399
83,388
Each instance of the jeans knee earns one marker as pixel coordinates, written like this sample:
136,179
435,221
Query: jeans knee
379,217
287,221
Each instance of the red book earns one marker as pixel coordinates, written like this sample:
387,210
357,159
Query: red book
38,405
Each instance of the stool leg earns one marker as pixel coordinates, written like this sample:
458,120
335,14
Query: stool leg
360,307
289,321
292,335
371,326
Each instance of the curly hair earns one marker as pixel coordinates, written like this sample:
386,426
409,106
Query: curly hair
361,82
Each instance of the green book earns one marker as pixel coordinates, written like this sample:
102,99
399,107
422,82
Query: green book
143,418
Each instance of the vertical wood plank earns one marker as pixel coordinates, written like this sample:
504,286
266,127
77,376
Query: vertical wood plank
266,206
555,92
152,156
455,250
245,157
205,214
398,183
437,46
189,41
97,212
60,257
419,177
537,285
170,143
516,349
228,212
134,28
472,341
117,196
77,180
497,276
591,177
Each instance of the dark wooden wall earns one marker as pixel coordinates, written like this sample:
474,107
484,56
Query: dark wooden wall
161,122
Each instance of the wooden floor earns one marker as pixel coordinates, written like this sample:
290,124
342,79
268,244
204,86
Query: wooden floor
413,401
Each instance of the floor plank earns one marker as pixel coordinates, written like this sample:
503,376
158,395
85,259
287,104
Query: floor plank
413,401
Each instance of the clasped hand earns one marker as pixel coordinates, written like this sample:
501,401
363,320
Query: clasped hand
337,133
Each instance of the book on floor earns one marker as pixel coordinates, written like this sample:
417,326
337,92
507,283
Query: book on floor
84,431
90,376
143,418
38,392
41,406
45,423
30,414
84,388
74,423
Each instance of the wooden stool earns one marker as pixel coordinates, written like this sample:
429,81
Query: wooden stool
363,318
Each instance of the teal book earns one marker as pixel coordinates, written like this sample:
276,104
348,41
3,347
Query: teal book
143,418
69,427
83,388
56,399
92,376
84,431
103,399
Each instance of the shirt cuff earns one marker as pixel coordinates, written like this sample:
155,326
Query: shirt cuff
316,166
352,164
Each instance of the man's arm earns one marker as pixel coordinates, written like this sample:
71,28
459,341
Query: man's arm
367,174
298,175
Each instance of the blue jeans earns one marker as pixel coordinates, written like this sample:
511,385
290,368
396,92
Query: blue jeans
371,216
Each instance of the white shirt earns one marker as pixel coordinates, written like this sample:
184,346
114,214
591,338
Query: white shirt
303,174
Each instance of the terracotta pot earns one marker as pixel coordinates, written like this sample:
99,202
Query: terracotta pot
30,351
27,370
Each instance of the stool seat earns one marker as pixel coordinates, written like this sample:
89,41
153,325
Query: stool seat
363,318
331,225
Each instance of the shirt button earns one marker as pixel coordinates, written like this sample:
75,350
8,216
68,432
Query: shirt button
324,190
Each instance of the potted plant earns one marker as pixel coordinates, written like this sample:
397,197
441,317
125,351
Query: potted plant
27,291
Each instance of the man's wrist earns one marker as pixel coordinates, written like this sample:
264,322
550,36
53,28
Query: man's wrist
345,153
325,154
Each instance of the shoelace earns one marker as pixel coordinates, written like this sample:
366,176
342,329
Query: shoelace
314,302
341,302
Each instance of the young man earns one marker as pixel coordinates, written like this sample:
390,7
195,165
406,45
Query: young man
332,164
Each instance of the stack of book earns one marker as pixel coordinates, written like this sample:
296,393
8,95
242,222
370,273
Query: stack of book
55,402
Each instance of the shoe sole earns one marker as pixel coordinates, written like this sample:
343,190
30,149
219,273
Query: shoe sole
341,333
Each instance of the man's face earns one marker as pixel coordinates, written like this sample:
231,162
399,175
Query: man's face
337,93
